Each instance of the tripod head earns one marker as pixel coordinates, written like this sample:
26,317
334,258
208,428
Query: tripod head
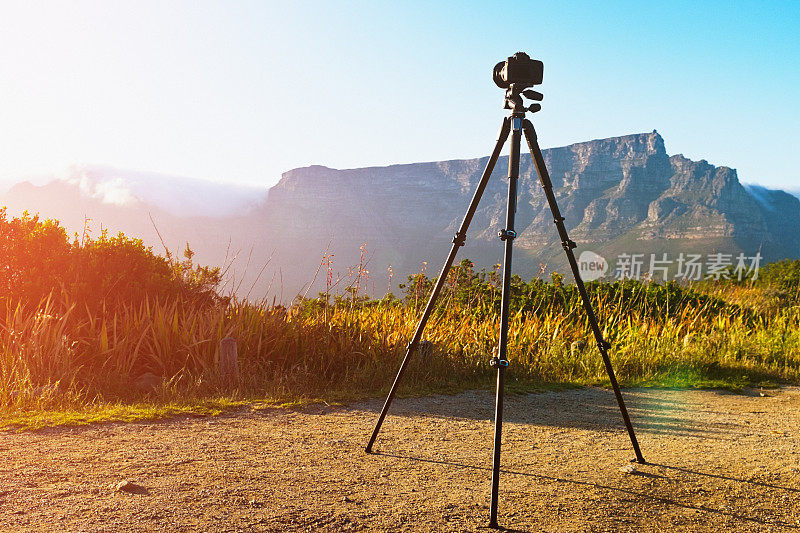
516,75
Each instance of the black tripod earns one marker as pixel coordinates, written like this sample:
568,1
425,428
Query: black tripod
516,124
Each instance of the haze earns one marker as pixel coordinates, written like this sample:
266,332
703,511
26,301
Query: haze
239,92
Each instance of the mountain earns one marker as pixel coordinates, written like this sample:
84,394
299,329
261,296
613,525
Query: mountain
622,195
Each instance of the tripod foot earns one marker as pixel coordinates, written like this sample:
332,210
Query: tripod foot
494,525
638,460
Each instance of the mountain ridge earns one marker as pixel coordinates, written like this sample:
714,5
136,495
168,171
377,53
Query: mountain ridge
619,195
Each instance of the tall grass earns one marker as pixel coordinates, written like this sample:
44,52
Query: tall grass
660,335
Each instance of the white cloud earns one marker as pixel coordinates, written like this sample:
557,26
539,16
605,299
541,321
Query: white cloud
178,195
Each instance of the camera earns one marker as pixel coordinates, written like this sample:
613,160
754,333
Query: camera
520,70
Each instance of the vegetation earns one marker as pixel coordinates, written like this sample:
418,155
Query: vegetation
782,279
82,320
38,262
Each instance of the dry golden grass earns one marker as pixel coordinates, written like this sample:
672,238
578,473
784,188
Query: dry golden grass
74,360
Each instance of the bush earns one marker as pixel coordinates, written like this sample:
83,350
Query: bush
783,276
481,292
37,260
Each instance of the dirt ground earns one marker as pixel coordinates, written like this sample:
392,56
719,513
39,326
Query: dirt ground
718,462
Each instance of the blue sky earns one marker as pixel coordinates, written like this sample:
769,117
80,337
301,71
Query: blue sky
242,91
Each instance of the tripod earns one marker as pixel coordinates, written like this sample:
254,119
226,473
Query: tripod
516,125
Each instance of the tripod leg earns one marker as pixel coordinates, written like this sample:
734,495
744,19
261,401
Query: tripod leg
458,241
501,361
568,245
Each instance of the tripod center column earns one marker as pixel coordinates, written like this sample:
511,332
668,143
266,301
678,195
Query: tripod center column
507,235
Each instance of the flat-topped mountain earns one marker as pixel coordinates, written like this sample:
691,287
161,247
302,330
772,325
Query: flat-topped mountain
618,195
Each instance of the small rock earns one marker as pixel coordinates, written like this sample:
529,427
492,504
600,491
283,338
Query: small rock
347,500
425,348
576,347
148,382
132,488
628,469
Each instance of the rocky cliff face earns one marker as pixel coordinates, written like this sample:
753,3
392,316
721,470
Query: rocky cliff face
619,195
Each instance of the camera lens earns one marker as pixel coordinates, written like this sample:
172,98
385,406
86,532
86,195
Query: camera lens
498,77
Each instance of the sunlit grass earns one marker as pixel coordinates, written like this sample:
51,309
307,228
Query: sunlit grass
32,419
74,367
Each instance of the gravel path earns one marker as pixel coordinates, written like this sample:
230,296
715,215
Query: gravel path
719,462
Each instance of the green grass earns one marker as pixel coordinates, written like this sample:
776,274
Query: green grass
17,420
73,367
81,321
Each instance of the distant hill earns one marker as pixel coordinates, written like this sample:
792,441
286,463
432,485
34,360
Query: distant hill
621,195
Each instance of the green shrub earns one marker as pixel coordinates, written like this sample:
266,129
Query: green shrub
480,291
37,260
784,277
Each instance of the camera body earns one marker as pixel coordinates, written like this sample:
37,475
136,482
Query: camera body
520,70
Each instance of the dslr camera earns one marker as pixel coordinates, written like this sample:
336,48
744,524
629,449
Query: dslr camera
520,70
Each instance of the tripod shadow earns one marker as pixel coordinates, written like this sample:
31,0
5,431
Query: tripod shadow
652,411
726,478
629,492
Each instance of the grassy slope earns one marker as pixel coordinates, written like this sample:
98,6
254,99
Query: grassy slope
350,352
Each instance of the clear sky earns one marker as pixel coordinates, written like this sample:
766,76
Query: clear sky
243,91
